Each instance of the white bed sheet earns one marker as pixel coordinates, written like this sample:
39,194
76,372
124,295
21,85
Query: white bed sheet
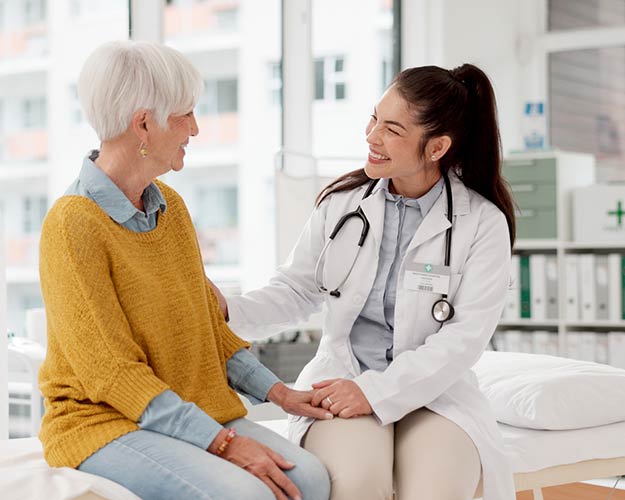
25,475
530,450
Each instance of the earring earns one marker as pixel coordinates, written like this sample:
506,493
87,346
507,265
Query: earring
433,157
143,151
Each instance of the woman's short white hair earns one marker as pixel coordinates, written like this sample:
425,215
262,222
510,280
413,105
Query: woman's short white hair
122,77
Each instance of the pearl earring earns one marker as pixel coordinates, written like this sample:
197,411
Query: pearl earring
433,157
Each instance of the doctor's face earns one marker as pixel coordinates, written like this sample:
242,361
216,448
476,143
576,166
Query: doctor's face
394,141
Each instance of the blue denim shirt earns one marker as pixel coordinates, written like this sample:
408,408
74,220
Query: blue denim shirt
167,413
372,333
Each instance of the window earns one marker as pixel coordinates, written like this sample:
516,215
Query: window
34,112
227,19
75,111
37,165
220,96
585,93
34,11
576,14
34,210
275,84
329,78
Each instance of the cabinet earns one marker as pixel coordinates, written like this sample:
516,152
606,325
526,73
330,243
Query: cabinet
541,185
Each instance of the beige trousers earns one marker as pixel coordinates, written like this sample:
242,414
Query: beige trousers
423,456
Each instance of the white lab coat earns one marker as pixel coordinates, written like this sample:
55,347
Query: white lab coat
431,364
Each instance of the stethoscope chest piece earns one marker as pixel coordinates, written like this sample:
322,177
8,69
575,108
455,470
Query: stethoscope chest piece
442,310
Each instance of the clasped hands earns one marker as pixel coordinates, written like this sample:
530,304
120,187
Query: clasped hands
334,397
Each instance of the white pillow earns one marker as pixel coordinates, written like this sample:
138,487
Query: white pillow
537,391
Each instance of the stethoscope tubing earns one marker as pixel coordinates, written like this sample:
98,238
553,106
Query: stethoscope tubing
442,310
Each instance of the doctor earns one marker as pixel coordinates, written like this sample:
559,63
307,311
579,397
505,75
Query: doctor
414,281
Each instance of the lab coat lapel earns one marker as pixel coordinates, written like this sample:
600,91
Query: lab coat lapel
435,222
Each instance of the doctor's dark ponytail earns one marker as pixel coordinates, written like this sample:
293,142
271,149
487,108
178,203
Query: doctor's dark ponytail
478,157
459,103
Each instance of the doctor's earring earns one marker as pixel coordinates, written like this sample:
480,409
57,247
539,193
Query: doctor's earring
143,151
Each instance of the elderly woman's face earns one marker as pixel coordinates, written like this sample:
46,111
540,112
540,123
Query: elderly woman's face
167,147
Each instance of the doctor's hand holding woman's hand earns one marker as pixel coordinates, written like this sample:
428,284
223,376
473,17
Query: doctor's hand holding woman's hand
297,402
342,397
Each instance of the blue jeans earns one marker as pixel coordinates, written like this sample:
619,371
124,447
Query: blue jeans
155,466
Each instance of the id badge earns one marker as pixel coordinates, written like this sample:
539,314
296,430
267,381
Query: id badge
427,278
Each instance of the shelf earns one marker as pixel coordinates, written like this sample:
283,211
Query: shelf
597,324
549,323
536,245
574,245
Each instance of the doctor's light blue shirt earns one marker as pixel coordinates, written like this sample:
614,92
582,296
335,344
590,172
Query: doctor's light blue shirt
167,413
372,333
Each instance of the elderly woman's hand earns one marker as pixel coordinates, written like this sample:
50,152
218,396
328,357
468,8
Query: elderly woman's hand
264,463
296,402
342,397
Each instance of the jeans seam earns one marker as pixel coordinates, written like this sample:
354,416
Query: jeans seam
161,466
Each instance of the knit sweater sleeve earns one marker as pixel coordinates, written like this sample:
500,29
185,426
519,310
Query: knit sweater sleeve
87,325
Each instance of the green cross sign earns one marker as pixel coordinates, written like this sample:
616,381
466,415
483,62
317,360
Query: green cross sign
428,268
618,212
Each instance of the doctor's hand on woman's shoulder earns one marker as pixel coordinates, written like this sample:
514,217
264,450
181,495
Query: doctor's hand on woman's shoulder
342,397
297,402
223,305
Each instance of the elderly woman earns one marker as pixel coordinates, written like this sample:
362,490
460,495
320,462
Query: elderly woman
141,370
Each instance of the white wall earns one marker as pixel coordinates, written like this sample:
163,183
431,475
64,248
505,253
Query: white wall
500,36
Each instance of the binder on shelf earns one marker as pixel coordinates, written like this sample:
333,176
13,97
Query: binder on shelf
527,342
587,287
512,311
551,288
587,346
513,341
601,348
573,345
545,342
572,287
616,349
622,286
538,286
525,293
601,284
615,287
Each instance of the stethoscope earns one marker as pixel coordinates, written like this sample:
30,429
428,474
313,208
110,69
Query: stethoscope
442,310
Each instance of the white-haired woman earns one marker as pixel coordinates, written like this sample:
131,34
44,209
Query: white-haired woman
140,370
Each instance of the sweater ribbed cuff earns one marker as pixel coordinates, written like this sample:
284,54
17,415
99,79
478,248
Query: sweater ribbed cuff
133,389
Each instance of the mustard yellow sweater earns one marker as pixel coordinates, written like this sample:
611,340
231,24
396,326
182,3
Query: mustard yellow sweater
129,316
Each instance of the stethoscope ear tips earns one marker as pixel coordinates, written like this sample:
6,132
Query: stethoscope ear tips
335,293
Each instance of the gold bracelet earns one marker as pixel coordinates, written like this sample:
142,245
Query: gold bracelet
232,432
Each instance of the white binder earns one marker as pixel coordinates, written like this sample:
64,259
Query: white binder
573,345
601,283
551,288
545,342
587,287
512,311
616,346
538,286
572,287
615,287
587,347
601,348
